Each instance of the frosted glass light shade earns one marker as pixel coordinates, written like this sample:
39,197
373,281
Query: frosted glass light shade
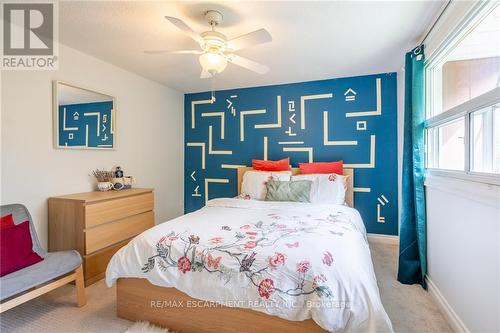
213,62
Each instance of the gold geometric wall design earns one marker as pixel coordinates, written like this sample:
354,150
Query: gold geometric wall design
213,180
211,151
222,122
328,142
193,106
265,149
308,150
378,111
369,165
362,189
232,166
202,146
278,116
303,100
243,114
290,142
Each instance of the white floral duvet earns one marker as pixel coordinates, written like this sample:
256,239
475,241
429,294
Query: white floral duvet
293,260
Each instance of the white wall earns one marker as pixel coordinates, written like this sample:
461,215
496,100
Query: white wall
150,137
463,250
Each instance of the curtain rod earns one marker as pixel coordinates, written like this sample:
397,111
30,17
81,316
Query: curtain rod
435,22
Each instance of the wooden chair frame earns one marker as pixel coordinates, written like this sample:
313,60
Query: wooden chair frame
76,276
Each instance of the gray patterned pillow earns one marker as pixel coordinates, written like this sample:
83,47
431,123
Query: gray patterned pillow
296,191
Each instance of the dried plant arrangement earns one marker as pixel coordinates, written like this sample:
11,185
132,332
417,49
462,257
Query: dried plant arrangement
103,175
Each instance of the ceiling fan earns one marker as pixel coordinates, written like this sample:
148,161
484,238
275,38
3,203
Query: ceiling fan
216,50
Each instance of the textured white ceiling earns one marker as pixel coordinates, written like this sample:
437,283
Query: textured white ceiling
311,40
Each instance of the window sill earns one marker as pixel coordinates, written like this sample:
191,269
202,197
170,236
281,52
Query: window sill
462,185
475,177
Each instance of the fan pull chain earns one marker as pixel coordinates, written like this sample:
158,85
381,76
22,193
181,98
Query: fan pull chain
213,89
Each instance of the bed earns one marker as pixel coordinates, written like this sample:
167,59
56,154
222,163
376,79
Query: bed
253,266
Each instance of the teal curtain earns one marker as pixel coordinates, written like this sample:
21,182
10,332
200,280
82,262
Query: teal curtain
412,232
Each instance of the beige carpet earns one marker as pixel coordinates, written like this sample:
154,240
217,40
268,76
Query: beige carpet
410,308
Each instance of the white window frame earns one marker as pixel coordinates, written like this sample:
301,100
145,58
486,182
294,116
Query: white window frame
433,68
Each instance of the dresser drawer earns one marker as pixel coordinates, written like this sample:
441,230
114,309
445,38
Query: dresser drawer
112,210
111,233
95,264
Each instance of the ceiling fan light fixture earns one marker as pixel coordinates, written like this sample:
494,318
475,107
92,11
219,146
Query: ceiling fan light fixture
213,63
216,50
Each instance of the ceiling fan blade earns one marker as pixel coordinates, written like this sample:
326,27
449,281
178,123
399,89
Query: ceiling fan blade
187,52
156,51
186,29
248,64
173,52
250,39
205,74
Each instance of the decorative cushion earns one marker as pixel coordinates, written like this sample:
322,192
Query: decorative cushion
322,167
16,249
281,165
20,214
326,188
254,183
296,191
6,221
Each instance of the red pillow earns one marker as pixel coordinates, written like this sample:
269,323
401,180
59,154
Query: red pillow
281,165
6,221
322,167
16,249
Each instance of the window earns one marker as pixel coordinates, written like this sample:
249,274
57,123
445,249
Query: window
485,140
463,101
449,141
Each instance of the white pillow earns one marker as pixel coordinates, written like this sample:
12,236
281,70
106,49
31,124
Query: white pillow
326,188
254,183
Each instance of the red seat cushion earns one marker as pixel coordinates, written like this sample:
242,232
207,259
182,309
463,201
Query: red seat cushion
281,165
16,249
6,221
322,167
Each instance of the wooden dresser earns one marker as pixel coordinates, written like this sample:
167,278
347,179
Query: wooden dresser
97,224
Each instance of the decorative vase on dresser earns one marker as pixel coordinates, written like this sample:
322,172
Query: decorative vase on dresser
97,224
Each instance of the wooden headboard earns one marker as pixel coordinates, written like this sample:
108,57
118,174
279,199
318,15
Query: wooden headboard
349,193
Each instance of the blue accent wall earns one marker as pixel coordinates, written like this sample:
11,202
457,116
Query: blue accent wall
351,119
74,120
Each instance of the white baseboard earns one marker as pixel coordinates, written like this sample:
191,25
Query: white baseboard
453,319
386,239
